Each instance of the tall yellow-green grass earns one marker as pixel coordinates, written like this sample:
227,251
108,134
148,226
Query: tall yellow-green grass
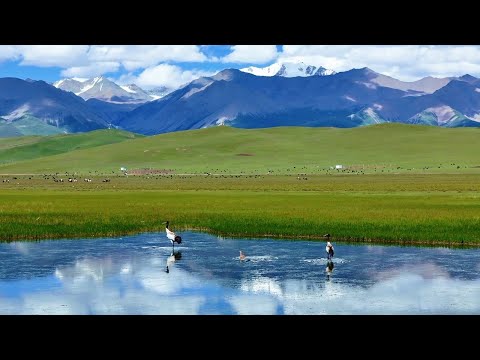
408,209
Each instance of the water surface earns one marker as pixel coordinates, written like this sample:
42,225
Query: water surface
128,275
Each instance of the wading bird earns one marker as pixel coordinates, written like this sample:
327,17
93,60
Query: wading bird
171,235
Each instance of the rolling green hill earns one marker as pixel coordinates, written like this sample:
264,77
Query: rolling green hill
30,148
27,125
288,150
8,130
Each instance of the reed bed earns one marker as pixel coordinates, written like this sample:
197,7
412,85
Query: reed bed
407,209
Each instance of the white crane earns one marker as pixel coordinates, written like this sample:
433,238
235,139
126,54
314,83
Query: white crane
171,235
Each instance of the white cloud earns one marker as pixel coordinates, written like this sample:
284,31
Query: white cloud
132,57
9,52
405,62
87,288
141,56
94,69
125,79
171,76
54,55
254,54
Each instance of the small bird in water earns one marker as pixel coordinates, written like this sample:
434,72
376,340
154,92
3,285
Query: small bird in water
167,271
242,255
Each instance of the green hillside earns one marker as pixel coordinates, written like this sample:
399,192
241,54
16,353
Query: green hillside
384,147
14,150
27,125
8,130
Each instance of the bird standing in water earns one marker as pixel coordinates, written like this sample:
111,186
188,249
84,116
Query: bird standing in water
172,236
329,248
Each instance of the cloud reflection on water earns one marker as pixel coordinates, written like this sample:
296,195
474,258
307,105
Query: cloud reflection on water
102,286
214,282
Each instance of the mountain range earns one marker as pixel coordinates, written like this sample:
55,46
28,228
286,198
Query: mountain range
104,89
288,69
347,99
283,94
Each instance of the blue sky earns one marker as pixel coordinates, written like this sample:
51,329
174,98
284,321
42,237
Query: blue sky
173,65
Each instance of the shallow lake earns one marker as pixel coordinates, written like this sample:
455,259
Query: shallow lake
127,275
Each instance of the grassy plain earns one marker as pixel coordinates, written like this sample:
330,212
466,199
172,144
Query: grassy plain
400,184
435,209
383,148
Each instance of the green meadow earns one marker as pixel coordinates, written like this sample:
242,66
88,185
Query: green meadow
379,148
399,184
31,148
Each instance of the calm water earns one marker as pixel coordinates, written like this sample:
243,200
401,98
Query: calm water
127,276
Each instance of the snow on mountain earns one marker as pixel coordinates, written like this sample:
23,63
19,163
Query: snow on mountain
89,84
104,89
46,105
59,83
128,89
288,69
80,79
271,70
71,85
159,92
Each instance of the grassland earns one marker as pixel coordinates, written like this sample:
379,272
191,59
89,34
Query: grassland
406,208
409,185
31,148
386,148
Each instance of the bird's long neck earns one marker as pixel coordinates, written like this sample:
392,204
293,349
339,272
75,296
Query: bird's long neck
166,225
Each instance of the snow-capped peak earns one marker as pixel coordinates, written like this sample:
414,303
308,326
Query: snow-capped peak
98,79
59,83
271,70
104,89
89,84
128,89
288,69
73,80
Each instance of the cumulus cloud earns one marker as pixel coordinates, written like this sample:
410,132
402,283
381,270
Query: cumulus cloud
91,70
152,63
168,75
83,59
405,62
147,289
9,52
254,54
130,56
134,57
114,283
54,55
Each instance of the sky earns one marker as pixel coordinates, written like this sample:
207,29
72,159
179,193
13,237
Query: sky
151,66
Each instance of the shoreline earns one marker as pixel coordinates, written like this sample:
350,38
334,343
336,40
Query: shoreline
280,237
